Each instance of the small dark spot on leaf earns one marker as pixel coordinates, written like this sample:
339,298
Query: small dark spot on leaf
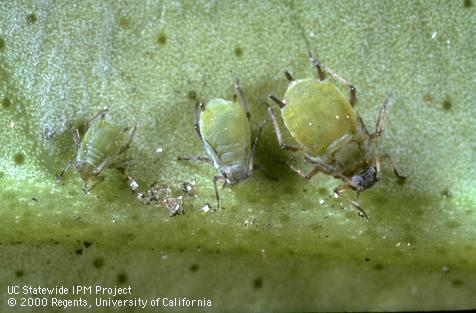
446,105
258,283
457,282
378,267
418,212
194,267
98,262
441,251
367,259
122,278
446,193
2,43
452,224
124,22
238,51
336,244
6,103
87,244
428,98
19,273
285,218
162,39
31,18
34,199
468,3
192,95
79,251
19,158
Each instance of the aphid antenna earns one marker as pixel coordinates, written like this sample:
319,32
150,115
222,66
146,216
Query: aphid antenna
239,91
391,94
315,62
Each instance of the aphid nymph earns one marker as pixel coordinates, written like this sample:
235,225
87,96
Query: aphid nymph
224,129
335,139
100,148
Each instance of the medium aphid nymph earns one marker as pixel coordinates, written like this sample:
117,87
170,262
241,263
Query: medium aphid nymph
224,129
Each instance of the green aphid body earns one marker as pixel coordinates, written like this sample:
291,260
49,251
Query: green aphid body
226,134
333,137
99,147
321,119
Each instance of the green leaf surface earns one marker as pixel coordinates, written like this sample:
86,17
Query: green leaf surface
278,245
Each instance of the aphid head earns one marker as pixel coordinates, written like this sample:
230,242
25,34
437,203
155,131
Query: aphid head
234,173
365,179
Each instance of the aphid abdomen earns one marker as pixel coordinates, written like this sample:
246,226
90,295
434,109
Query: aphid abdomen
317,114
225,127
234,154
101,141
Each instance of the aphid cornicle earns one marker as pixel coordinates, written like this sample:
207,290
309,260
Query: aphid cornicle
100,148
335,140
224,129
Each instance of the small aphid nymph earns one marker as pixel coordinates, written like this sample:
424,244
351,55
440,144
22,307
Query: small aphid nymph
334,138
100,148
224,129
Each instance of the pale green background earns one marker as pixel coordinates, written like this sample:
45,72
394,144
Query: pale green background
62,61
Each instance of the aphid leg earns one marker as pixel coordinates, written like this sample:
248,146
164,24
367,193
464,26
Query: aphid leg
362,125
193,158
244,103
60,175
129,180
288,75
126,147
279,135
389,160
316,63
253,149
103,165
308,176
217,196
339,191
77,145
324,168
380,122
199,107
120,165
320,66
76,139
87,190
